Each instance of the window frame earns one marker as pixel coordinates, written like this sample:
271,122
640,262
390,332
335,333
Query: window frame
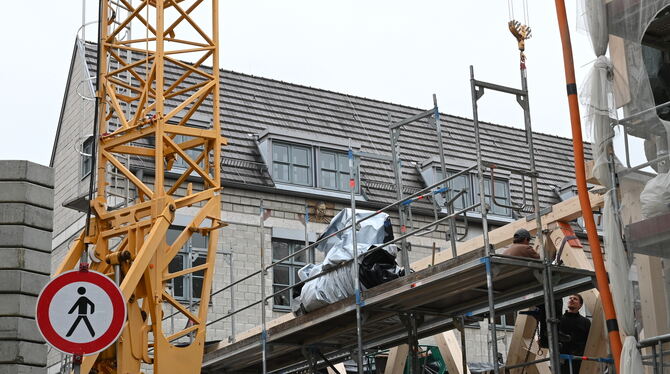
489,198
193,153
339,156
467,198
315,155
186,252
86,164
293,267
291,165
472,195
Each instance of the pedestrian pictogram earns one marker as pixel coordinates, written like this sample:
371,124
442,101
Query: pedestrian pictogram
81,312
82,305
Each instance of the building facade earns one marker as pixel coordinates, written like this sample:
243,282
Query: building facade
287,151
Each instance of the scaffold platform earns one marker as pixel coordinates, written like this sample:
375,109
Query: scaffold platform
435,297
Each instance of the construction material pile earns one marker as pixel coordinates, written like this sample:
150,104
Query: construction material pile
376,265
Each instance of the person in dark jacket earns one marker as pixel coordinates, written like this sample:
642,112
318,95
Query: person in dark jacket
521,245
575,328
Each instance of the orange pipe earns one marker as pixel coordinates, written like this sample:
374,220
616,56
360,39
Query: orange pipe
584,201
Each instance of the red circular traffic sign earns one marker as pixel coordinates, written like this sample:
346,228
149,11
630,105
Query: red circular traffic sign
80,312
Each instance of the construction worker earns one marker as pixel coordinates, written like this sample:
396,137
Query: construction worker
521,248
521,245
575,328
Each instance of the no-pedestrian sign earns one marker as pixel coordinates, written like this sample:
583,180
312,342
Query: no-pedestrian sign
81,312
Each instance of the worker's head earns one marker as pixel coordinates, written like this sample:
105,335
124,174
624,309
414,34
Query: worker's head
575,303
522,236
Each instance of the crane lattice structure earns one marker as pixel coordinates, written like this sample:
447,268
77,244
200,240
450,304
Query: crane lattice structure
143,113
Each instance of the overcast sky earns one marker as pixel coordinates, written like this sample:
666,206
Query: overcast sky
391,50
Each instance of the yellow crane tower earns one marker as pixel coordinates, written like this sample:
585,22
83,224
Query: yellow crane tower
146,96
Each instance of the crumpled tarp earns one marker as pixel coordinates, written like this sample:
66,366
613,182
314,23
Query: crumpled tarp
376,265
655,197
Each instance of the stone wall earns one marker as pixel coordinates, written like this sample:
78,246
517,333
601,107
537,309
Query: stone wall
26,212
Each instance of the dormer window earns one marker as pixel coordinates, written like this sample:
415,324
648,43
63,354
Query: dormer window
307,160
469,183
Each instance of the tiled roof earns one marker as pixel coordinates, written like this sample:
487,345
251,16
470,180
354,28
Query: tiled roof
254,105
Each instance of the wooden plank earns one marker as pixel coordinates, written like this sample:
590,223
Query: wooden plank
450,348
654,308
564,211
395,364
340,369
618,55
524,333
597,343
590,178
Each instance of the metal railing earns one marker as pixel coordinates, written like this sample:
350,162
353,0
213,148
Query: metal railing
656,358
323,239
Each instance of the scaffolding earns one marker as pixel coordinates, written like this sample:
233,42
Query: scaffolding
438,296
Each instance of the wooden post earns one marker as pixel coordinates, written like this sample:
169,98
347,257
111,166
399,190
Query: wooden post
523,347
340,368
450,349
395,363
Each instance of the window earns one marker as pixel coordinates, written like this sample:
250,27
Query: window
334,170
456,185
292,164
286,273
192,153
501,188
187,288
87,157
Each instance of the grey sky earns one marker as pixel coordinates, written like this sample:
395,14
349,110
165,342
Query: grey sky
396,51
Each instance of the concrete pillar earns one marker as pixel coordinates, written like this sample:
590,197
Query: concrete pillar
26,222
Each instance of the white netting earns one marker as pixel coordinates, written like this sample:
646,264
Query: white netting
594,20
618,269
655,197
631,361
599,111
636,78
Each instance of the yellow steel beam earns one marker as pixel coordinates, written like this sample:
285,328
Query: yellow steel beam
136,111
